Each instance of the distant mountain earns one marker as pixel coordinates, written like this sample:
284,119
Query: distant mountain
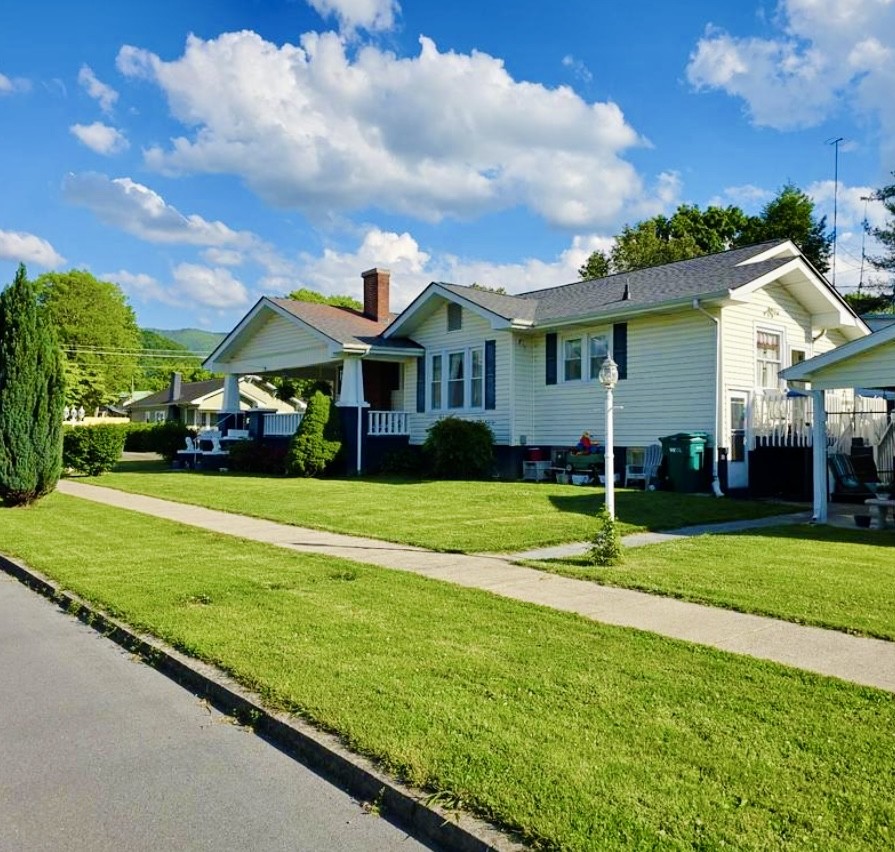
194,339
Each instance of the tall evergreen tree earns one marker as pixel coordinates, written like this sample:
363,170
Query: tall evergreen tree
32,395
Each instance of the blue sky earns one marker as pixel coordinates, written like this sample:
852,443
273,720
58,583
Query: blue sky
202,154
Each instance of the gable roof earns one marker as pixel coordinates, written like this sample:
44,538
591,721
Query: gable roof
807,370
189,392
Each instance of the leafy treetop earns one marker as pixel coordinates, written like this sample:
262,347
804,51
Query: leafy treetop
303,294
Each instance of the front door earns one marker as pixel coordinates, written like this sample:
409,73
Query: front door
737,456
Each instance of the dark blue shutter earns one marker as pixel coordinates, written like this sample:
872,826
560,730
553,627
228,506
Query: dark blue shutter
490,374
421,384
620,348
551,359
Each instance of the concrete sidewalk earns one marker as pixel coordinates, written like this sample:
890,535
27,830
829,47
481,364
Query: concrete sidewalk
870,662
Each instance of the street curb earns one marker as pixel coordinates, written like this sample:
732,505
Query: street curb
408,808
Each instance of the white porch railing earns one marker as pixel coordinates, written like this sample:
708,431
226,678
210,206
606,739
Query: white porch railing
388,423
281,424
776,420
884,452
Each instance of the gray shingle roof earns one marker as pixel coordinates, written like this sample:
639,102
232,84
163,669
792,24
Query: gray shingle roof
343,325
685,279
189,391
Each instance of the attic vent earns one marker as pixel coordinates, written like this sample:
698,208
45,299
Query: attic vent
626,297
454,317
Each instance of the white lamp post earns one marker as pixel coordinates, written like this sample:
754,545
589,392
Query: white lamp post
609,378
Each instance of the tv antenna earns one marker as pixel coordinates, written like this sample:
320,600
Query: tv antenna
835,143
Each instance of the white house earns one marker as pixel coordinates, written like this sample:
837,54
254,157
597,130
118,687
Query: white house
200,404
699,344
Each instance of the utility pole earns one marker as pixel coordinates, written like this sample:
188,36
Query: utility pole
835,143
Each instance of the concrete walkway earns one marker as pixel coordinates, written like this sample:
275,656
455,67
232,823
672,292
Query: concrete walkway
870,662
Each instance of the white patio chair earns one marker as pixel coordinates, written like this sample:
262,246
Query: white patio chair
647,471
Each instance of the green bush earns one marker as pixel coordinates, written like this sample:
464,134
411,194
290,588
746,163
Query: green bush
93,449
168,437
606,545
460,449
407,461
139,437
317,441
255,457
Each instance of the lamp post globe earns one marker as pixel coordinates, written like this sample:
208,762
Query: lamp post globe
608,377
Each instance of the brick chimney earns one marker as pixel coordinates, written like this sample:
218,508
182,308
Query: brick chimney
174,388
376,283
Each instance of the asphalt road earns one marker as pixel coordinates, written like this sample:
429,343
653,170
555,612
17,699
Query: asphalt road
100,752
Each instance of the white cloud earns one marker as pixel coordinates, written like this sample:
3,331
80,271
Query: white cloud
412,268
13,85
100,137
135,208
21,247
433,135
213,287
371,15
103,94
223,257
824,58
748,196
142,287
578,68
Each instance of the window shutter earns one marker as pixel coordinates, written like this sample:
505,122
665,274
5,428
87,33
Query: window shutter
620,348
490,374
551,359
421,384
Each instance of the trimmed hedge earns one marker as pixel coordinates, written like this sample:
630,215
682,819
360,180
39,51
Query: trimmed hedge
318,439
165,438
460,449
93,449
255,457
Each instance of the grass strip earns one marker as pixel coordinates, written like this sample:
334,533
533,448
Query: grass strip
837,578
581,736
501,517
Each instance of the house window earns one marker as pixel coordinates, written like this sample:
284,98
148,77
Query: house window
150,416
598,347
571,357
436,382
454,317
477,378
797,356
456,379
159,416
768,358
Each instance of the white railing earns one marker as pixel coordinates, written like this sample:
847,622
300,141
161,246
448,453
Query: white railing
388,423
283,425
776,420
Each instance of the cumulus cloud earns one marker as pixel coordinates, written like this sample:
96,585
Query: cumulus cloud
22,247
433,135
100,137
135,208
223,257
142,287
10,85
212,287
103,94
826,56
371,15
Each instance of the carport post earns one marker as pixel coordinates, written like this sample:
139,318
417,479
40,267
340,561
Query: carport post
819,457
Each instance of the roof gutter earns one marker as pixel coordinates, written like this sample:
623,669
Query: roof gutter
719,390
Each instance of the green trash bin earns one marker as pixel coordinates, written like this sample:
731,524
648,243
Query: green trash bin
685,453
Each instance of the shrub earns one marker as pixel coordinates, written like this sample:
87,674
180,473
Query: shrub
32,395
139,437
93,449
317,440
606,545
167,438
410,461
255,457
460,449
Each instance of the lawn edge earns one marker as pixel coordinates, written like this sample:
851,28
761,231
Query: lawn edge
409,808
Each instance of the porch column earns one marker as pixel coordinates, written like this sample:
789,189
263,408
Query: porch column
819,457
231,393
351,395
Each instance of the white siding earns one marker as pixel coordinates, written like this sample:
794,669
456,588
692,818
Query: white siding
276,338
670,386
433,335
872,369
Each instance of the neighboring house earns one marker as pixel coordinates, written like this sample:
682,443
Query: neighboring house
200,404
699,344
866,364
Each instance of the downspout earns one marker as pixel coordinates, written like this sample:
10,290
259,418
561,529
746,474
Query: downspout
716,483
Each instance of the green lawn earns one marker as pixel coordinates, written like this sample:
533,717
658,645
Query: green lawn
580,735
464,516
830,577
